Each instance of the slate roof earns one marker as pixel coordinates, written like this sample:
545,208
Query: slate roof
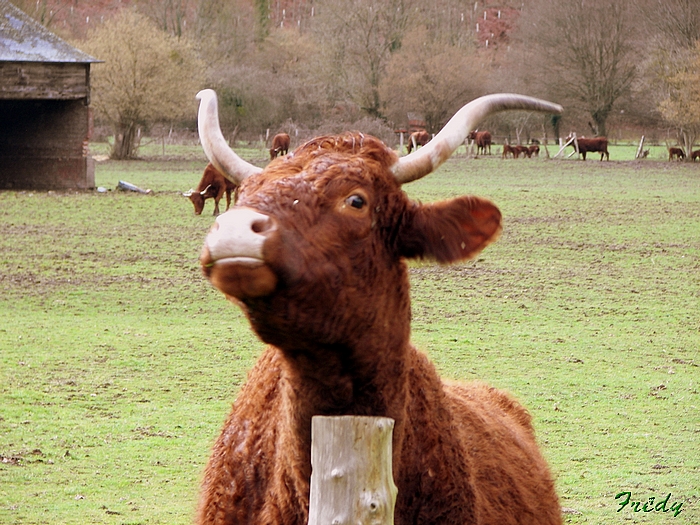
22,39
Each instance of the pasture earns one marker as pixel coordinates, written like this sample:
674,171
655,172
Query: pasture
118,361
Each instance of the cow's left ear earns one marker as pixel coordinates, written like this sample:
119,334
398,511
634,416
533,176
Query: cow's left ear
451,230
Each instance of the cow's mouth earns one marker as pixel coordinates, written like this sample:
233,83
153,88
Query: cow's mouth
239,277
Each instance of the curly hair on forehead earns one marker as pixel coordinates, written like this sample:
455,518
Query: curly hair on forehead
351,143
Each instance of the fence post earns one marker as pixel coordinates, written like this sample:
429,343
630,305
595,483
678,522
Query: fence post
640,148
351,479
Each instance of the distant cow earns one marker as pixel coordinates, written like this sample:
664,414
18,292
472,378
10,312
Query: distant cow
598,144
521,149
212,186
280,145
534,149
695,155
482,139
676,153
419,138
515,151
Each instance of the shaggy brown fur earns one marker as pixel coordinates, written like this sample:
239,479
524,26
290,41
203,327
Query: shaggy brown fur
331,299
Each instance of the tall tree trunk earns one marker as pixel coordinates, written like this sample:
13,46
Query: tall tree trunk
688,139
124,146
600,118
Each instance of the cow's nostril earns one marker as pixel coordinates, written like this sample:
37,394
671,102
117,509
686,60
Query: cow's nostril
262,225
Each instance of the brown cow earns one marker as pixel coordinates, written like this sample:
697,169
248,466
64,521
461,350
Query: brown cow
515,151
676,153
597,144
212,186
695,155
521,149
418,138
482,139
280,145
534,149
507,150
313,252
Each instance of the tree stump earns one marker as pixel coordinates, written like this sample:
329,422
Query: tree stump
351,479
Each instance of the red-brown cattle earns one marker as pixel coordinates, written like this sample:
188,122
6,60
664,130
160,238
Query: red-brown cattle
534,149
418,138
314,253
676,153
695,155
518,150
482,140
280,145
507,150
597,144
212,186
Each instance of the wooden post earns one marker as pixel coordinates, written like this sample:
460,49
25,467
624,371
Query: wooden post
351,479
562,148
640,148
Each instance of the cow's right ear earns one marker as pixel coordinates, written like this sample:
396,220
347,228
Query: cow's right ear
449,231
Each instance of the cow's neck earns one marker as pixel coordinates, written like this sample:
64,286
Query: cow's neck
340,380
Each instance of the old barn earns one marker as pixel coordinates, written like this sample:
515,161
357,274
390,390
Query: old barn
45,119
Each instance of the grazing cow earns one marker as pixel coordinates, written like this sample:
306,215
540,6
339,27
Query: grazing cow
507,150
280,145
418,138
676,153
313,252
695,155
534,149
482,139
597,144
515,151
212,186
521,149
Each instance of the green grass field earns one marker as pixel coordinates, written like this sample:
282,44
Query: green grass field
118,361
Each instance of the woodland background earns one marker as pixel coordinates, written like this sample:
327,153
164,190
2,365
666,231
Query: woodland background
620,69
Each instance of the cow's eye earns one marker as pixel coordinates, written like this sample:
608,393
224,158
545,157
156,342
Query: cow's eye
356,201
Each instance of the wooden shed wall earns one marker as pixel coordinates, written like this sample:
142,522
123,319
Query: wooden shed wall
44,80
43,144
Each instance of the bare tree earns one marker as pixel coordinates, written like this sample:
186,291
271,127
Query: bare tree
358,38
580,52
224,31
682,106
432,79
669,81
147,76
677,22
170,15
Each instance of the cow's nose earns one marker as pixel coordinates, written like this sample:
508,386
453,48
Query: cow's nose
239,234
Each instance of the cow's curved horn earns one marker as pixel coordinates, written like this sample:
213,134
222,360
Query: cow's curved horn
434,153
214,144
